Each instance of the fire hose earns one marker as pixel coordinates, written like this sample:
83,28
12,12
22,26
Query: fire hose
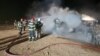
76,44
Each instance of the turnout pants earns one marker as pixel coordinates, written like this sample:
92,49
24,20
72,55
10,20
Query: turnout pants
20,31
31,35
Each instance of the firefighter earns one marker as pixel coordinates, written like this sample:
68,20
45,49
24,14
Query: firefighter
57,23
20,26
24,25
31,27
39,25
15,24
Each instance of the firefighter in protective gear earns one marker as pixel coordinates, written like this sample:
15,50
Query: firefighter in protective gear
24,25
15,24
31,27
39,25
57,23
57,26
20,26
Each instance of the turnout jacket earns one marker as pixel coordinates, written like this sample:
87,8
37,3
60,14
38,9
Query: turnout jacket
31,26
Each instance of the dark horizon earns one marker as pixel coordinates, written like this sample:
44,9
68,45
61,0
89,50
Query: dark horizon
15,9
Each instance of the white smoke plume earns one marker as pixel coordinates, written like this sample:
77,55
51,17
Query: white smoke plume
70,20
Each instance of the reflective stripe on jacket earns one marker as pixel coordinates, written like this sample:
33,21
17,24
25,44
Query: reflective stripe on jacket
31,26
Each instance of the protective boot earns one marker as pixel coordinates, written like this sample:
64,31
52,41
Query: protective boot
36,34
33,38
39,35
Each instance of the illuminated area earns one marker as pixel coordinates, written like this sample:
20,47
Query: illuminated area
49,28
87,18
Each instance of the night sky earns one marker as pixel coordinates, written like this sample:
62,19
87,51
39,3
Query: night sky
15,9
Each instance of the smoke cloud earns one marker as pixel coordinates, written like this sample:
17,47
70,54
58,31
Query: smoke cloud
69,20
70,25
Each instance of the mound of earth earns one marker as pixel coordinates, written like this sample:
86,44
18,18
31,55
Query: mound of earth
45,48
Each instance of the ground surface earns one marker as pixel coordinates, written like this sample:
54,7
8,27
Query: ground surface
7,35
23,46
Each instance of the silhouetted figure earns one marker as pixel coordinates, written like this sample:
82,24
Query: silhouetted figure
20,27
24,25
15,24
39,25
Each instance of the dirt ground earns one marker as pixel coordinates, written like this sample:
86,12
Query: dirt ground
70,48
7,34
23,46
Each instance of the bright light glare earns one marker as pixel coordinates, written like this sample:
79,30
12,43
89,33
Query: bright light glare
87,18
